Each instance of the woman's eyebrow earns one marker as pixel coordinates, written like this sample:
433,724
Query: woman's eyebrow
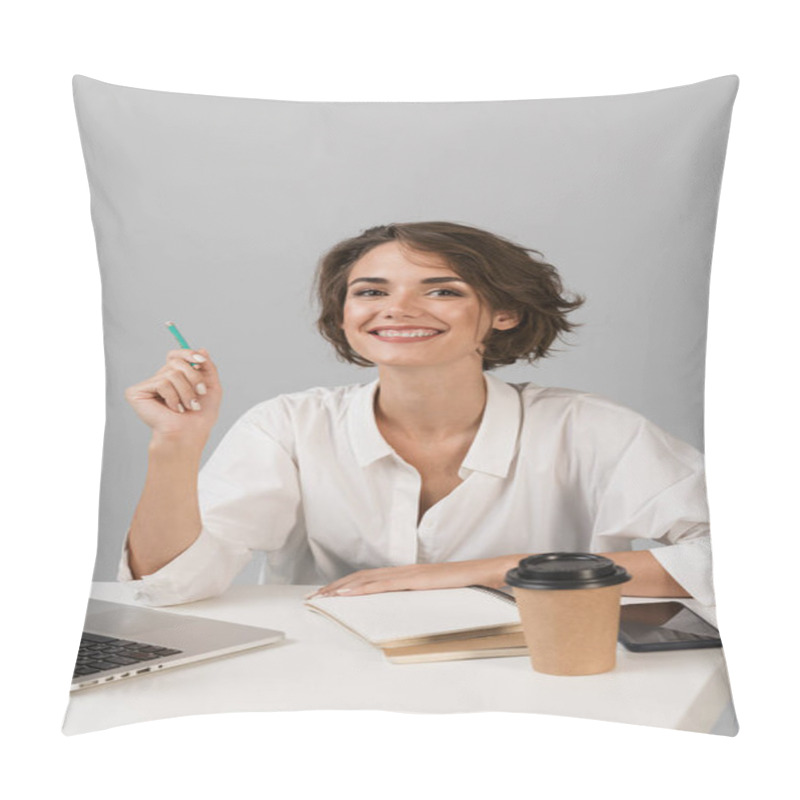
424,280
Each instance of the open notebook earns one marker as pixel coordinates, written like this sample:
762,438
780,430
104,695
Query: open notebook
431,625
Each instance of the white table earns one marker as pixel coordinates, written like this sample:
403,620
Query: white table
322,666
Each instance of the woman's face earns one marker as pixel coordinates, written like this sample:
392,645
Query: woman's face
404,312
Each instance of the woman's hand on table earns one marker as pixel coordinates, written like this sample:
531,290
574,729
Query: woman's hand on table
482,572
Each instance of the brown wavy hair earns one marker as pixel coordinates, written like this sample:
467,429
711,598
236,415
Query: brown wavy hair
504,275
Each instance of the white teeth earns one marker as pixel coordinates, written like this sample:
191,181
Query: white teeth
406,334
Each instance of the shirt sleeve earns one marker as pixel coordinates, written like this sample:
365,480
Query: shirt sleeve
654,488
249,499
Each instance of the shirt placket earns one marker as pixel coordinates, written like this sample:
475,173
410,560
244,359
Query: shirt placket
426,533
404,509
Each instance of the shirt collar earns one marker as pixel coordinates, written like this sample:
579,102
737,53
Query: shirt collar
496,440
365,437
492,449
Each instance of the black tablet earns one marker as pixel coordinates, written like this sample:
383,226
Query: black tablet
668,625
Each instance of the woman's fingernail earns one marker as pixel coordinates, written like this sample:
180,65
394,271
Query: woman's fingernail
201,388
343,591
198,357
195,405
181,408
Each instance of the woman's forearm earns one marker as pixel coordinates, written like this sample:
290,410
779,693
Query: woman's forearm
648,577
167,520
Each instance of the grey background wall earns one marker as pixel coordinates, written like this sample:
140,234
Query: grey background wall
214,212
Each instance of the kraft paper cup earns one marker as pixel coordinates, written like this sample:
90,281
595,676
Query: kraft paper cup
569,604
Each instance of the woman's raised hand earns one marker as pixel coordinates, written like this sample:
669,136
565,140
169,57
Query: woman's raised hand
180,401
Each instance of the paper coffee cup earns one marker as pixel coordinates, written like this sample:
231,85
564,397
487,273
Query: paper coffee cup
569,604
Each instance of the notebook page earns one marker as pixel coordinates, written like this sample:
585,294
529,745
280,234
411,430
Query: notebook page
389,616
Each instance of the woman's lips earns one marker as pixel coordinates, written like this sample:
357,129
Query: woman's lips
405,335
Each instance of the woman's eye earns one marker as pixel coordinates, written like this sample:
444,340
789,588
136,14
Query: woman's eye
434,293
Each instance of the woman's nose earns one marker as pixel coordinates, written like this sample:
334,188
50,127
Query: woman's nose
400,305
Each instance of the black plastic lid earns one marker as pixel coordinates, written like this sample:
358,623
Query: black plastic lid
566,571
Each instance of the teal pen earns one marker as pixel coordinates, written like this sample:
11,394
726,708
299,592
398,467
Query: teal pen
173,329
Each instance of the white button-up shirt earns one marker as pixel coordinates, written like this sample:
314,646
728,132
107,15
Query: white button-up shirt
309,479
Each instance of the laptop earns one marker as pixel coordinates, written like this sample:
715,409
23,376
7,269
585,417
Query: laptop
122,641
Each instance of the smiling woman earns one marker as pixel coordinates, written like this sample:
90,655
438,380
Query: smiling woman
410,308
436,474
502,275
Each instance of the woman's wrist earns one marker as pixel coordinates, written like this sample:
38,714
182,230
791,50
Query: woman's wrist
173,445
505,564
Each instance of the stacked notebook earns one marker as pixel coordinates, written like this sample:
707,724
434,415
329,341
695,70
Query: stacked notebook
431,625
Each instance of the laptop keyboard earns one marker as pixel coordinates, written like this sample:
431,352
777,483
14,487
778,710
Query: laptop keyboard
98,653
